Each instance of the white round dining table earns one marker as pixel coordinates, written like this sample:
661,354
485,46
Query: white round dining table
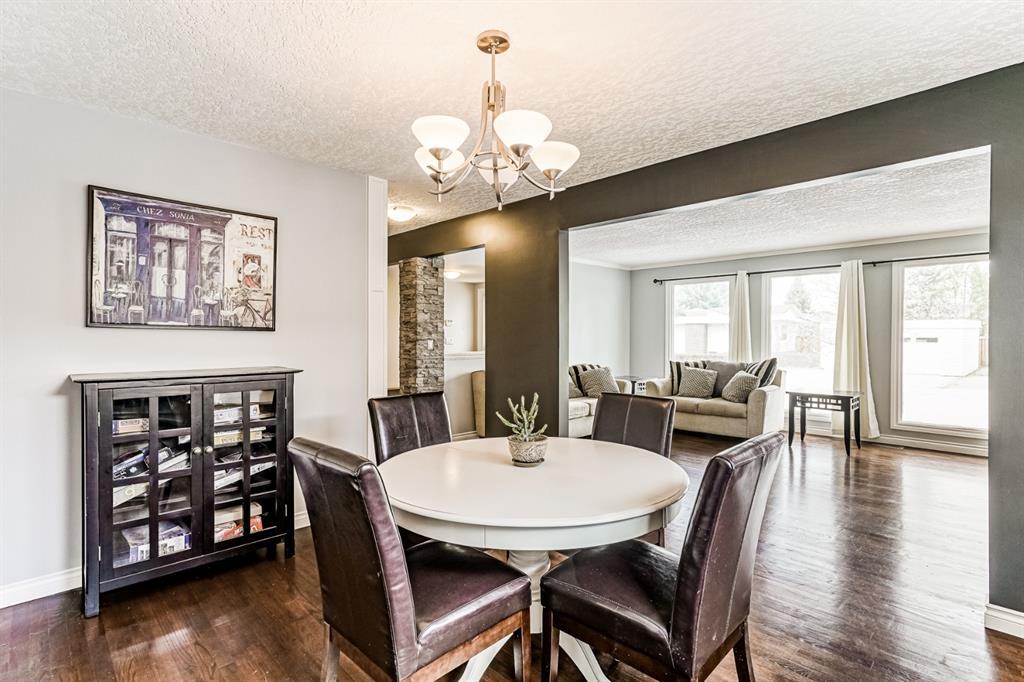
586,493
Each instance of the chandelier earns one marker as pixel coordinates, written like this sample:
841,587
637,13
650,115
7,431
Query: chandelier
517,138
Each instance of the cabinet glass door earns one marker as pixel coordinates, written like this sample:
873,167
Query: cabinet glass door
244,459
147,451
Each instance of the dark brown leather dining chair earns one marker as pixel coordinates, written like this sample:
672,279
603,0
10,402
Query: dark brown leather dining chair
672,618
400,615
405,422
641,421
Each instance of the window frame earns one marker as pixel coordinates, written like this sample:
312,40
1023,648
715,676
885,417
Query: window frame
896,365
670,326
766,324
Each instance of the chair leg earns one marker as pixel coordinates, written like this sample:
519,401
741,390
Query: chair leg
744,664
332,657
549,649
521,649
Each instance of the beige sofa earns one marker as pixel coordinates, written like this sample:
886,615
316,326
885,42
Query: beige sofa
762,413
581,410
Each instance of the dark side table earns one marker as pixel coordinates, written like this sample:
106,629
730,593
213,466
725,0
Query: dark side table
847,402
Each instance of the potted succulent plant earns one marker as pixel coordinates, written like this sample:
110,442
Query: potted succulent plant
526,445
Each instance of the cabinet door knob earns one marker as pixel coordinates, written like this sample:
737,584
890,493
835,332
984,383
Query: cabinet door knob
208,449
197,450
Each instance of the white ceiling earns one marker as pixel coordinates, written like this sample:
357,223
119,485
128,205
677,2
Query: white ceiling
945,196
338,83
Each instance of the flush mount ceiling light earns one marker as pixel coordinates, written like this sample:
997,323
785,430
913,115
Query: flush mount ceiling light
452,274
401,214
517,138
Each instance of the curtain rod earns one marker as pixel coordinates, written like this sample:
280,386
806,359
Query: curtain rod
820,267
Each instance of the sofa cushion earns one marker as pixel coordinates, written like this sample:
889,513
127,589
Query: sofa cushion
675,372
597,381
739,387
697,383
725,370
576,370
687,404
763,370
578,407
574,390
719,407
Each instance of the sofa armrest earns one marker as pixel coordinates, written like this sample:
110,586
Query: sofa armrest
659,387
624,386
766,407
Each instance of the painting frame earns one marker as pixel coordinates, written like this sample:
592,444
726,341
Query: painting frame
188,234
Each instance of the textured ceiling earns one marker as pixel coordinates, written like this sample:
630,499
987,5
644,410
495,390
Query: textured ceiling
941,197
631,84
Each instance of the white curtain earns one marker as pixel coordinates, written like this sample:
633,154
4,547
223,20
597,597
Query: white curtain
851,371
739,320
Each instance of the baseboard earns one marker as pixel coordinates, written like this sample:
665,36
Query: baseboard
468,435
70,579
43,586
907,442
1002,619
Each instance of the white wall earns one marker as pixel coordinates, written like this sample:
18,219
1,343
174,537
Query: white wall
599,316
459,317
49,152
647,345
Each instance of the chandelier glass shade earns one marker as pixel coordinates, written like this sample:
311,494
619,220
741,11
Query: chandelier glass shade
507,144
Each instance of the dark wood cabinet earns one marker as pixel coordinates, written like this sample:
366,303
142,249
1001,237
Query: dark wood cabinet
182,468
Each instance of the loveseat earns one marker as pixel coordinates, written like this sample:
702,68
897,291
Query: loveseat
763,412
581,410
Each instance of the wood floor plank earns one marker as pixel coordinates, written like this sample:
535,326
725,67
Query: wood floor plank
872,567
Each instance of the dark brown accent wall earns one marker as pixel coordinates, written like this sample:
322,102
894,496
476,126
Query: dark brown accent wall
526,257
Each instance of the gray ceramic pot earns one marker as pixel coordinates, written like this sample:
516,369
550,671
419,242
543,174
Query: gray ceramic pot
527,453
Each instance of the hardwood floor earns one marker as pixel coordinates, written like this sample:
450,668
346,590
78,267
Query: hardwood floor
870,568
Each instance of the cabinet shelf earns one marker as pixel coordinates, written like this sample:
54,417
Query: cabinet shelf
177,503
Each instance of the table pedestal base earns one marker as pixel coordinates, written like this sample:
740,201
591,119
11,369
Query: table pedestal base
535,564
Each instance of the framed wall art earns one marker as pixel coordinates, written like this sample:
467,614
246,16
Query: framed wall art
157,262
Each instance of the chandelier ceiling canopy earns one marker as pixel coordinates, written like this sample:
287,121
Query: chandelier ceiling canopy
509,141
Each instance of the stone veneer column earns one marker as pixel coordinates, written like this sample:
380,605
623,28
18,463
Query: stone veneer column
421,325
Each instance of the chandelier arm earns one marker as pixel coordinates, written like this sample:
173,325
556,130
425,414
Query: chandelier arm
546,188
455,183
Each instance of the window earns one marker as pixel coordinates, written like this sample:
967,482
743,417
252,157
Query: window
800,326
940,368
699,314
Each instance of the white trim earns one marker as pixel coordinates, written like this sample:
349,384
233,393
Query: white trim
599,263
1002,619
376,295
896,422
465,355
813,429
670,323
966,232
466,435
301,519
43,586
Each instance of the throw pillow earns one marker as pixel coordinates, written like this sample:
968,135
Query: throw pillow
725,370
697,383
763,370
576,370
675,371
598,381
739,387
574,391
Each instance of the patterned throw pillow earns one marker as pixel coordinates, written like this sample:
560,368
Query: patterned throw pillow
697,383
675,371
598,381
576,370
574,391
740,387
763,370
